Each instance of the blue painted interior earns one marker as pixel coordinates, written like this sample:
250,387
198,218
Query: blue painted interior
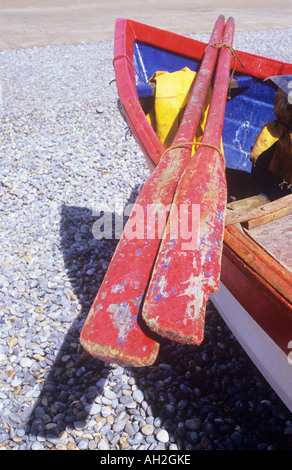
149,59
246,113
250,106
145,91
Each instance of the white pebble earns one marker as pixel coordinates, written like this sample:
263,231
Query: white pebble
162,436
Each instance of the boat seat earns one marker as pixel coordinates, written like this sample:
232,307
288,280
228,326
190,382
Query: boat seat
238,81
275,238
145,91
241,81
254,212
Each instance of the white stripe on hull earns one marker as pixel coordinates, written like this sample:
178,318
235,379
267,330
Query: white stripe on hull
271,361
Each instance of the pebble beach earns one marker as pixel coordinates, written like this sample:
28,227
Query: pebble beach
67,155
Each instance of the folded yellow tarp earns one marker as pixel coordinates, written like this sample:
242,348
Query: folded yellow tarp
172,91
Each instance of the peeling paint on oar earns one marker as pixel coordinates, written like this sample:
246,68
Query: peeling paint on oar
184,275
114,330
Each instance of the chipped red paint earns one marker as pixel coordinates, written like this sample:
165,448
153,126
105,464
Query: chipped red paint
114,330
183,279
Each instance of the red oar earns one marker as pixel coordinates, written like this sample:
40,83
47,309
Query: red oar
187,267
114,330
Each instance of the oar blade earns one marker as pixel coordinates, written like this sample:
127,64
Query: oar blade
187,268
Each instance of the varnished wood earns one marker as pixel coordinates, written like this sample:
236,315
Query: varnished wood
264,214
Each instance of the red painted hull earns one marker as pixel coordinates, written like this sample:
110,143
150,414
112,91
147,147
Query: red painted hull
247,268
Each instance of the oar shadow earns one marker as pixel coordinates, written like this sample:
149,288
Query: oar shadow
75,379
183,384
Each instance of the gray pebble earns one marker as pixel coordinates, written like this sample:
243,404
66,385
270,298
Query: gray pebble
193,424
92,445
79,425
150,439
136,439
109,394
129,429
36,445
52,439
121,417
83,444
103,445
126,399
106,411
105,429
118,371
118,427
138,396
39,412
157,422
16,382
93,409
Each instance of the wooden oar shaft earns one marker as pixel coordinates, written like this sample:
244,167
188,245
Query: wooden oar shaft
215,120
187,270
188,126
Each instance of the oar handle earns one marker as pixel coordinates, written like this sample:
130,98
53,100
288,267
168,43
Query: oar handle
215,119
188,126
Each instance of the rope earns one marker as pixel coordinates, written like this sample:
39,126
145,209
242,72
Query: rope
185,144
220,45
284,185
124,56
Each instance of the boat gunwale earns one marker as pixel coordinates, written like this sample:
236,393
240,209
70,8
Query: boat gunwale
184,45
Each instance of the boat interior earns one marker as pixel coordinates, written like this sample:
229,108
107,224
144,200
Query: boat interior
259,200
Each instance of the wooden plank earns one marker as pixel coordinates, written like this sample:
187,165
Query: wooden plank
114,330
265,219
248,203
187,271
276,238
263,214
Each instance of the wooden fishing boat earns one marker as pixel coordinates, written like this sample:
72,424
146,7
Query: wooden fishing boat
255,291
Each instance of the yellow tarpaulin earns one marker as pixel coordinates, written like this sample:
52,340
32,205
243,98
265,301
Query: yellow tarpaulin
172,92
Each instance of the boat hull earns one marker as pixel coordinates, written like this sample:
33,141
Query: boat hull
254,297
260,319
